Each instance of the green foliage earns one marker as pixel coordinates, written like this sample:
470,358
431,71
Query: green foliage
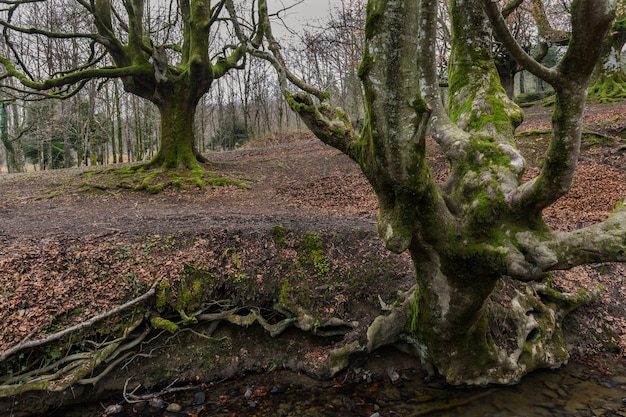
231,133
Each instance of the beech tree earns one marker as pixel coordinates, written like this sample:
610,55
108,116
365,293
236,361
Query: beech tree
169,54
483,309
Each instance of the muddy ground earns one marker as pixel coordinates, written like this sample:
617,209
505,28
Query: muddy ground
69,250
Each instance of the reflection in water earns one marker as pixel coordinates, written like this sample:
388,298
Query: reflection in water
596,389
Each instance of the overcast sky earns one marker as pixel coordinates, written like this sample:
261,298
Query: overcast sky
307,12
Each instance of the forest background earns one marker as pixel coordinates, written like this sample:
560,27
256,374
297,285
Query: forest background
102,124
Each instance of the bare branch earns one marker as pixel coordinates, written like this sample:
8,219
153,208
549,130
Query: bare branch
275,57
510,7
448,135
514,48
47,33
546,31
68,79
591,20
601,242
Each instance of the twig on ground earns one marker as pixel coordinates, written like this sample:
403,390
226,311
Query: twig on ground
131,398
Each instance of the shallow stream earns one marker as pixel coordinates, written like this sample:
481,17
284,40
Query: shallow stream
381,388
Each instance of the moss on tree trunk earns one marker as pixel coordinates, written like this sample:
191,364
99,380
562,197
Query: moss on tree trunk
177,149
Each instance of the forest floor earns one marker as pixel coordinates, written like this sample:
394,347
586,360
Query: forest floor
69,251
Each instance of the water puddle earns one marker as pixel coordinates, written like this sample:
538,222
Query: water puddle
384,389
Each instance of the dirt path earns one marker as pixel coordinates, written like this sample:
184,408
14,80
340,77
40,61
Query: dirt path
305,183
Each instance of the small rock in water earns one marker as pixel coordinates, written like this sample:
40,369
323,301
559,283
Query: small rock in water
376,414
393,375
156,403
199,398
248,393
278,389
253,404
112,410
174,408
624,400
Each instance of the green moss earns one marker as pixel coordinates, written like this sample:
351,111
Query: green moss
156,180
163,294
609,89
190,293
295,297
490,153
478,102
147,185
284,296
375,12
158,322
278,235
312,253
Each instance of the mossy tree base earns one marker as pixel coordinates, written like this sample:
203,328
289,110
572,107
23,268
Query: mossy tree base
518,331
155,179
609,89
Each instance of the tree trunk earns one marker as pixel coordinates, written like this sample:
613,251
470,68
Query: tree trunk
177,148
508,83
4,138
494,330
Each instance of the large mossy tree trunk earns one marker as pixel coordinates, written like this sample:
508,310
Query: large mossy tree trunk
177,148
483,310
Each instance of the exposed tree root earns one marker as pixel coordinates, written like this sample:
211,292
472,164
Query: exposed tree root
609,89
131,398
74,372
90,366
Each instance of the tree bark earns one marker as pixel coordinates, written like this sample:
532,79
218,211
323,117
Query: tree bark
177,148
4,138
